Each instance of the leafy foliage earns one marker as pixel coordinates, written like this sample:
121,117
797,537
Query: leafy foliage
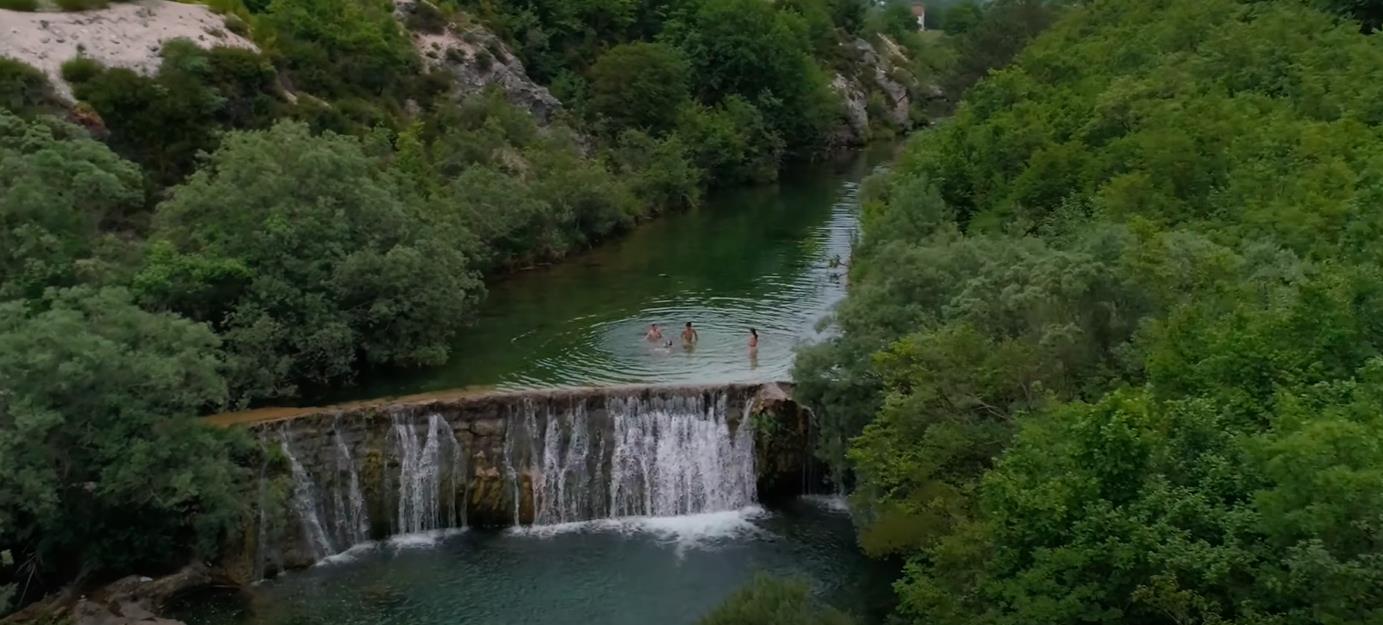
639,86
58,188
339,47
775,601
1109,345
162,122
305,276
105,468
24,90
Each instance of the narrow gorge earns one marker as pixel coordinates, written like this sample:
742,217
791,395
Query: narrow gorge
337,478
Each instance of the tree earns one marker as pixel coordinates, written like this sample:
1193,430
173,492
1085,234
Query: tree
58,188
755,51
639,86
307,277
106,469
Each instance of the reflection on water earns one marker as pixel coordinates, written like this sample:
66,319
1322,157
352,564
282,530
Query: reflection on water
632,571
749,258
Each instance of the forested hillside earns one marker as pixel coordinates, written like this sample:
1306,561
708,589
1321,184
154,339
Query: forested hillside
1112,348
325,198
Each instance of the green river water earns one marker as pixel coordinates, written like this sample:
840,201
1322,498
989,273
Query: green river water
758,257
751,257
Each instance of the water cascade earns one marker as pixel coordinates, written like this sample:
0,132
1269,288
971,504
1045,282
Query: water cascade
351,517
428,474
305,500
542,459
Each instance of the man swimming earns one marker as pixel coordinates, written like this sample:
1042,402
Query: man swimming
689,336
654,334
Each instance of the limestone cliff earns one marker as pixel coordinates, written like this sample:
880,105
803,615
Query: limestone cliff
877,91
128,35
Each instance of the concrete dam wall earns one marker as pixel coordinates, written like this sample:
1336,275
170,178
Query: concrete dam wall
336,477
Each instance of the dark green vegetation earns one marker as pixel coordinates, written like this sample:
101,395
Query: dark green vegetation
1112,351
243,227
741,84
775,601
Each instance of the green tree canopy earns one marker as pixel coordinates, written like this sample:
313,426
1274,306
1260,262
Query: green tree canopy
58,187
639,86
105,468
309,260
1111,332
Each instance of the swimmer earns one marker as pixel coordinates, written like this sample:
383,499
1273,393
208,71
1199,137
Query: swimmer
689,336
654,334
753,340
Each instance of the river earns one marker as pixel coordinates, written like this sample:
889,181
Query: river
758,257
755,257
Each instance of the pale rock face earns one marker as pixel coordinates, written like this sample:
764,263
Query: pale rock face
477,59
128,35
872,68
856,129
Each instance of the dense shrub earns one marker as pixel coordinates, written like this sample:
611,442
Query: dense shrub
58,190
106,468
306,278
639,86
24,90
340,48
774,601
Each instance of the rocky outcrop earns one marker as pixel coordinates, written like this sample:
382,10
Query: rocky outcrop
128,35
474,57
132,600
876,89
335,477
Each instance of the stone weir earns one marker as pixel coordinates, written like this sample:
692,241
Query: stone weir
335,477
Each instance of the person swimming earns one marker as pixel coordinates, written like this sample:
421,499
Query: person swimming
689,336
753,340
654,334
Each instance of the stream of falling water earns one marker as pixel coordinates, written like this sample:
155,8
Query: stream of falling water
643,457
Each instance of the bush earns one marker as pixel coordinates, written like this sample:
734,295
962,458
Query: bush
237,25
81,69
640,86
19,5
23,89
660,172
775,601
307,279
425,17
338,48
731,143
58,187
155,488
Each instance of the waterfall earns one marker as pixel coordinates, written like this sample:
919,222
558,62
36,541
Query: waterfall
305,501
663,456
540,461
428,474
678,456
353,525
